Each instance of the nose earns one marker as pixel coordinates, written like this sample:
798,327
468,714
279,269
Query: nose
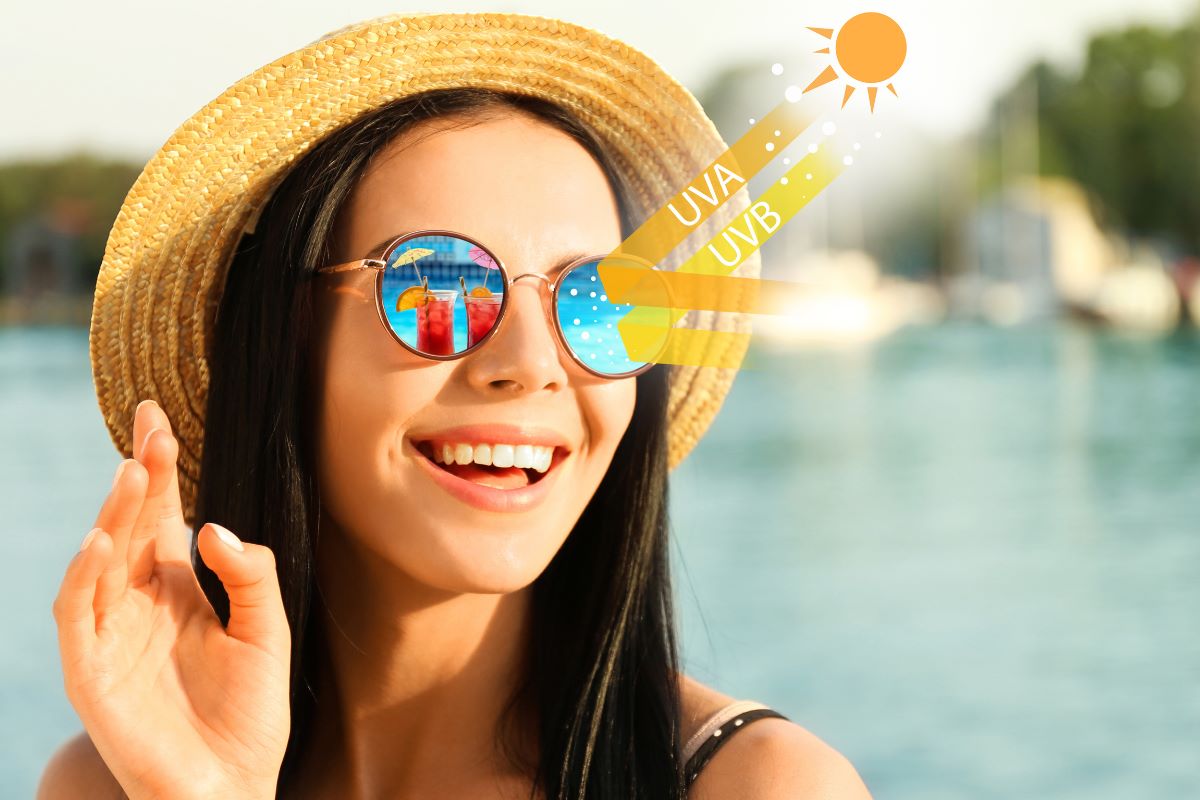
522,355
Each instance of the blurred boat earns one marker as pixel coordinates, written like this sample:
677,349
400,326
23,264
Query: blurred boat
1139,295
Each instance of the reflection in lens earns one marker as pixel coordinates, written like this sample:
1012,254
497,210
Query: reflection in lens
438,320
589,321
481,315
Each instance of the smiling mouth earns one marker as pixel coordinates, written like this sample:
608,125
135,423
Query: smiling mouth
499,466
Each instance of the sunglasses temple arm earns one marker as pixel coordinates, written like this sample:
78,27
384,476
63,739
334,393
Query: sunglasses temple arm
361,263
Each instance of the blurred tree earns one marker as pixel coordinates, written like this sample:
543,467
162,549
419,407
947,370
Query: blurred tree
79,195
1126,127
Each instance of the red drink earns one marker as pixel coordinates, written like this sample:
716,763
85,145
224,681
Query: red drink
435,323
481,316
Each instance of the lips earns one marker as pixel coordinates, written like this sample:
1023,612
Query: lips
478,466
493,468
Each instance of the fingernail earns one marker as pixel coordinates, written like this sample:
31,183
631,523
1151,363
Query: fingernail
88,539
120,469
147,400
226,536
147,439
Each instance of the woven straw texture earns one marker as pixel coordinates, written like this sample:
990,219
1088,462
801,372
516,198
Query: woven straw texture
165,262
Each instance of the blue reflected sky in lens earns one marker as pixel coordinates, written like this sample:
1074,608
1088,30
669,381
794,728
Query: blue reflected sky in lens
589,322
443,267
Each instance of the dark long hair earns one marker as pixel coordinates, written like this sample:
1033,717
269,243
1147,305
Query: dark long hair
602,665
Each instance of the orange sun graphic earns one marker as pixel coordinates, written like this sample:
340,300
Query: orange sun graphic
869,48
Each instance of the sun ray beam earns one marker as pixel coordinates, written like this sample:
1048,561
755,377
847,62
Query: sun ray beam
825,77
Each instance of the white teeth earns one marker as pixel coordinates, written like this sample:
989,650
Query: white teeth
525,456
502,455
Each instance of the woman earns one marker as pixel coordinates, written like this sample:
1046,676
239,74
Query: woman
437,573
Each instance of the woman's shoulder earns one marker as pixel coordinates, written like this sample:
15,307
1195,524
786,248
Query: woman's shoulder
77,770
771,758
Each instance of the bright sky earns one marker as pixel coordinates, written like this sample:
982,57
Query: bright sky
118,76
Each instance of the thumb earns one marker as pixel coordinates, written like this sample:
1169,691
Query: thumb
247,571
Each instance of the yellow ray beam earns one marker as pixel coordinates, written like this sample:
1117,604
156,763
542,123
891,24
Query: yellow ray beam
627,283
648,332
696,202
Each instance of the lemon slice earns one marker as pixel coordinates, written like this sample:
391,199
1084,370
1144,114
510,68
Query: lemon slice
411,297
481,291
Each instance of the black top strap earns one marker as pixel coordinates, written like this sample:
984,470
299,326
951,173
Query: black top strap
721,735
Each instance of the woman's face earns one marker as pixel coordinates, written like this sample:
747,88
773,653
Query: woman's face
533,196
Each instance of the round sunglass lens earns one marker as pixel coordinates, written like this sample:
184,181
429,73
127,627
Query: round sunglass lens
441,294
591,321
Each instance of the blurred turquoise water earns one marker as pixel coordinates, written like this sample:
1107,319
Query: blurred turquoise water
964,557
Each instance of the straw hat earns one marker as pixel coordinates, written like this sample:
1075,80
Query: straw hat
165,263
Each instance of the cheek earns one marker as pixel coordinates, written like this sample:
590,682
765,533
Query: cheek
608,408
367,395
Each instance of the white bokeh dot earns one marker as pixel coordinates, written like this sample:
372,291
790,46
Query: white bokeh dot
777,69
848,160
770,146
793,93
829,129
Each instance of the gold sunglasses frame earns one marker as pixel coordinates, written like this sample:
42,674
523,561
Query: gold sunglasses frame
379,265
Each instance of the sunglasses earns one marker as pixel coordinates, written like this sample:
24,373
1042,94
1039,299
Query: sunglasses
442,294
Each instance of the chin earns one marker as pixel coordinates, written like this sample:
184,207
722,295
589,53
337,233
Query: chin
478,559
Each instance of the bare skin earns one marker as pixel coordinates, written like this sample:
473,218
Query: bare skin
176,704
425,597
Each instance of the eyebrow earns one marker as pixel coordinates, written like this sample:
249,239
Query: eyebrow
558,267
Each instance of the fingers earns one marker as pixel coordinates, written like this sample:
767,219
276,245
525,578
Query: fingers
256,613
160,530
73,605
117,517
162,524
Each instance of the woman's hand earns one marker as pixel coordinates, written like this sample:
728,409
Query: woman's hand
177,705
